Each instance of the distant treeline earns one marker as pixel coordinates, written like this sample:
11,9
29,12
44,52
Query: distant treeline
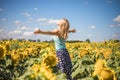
70,41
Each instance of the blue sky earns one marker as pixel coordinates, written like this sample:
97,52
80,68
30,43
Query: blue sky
97,20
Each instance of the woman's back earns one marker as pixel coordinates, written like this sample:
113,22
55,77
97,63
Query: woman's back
59,43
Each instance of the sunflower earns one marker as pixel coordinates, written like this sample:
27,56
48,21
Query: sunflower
15,60
7,46
107,74
103,71
1,51
47,72
50,60
107,53
84,52
98,67
36,68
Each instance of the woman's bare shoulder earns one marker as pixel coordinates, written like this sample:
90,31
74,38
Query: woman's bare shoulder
57,31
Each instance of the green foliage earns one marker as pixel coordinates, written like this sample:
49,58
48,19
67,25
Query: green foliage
114,63
83,67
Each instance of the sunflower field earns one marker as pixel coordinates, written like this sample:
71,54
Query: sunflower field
27,60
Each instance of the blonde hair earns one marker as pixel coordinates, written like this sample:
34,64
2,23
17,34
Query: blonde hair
66,25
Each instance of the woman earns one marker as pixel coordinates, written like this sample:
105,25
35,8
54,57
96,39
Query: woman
61,34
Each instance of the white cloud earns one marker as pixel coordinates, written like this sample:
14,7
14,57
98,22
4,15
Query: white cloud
17,22
52,21
15,32
20,33
26,14
23,28
117,19
78,30
3,19
48,21
1,30
92,27
116,36
89,36
114,25
28,33
35,9
4,33
21,25
41,19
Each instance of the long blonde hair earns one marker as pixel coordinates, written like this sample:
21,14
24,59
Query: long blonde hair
66,25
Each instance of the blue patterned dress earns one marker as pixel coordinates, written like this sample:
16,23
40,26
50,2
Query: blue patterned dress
64,61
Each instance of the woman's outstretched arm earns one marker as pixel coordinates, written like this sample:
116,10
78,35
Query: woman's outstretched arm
54,32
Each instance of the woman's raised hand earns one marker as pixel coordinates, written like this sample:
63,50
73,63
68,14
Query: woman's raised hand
37,31
73,30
